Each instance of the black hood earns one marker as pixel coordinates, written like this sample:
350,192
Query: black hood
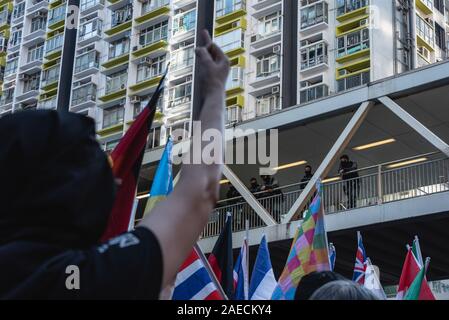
57,185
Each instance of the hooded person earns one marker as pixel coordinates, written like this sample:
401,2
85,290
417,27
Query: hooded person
57,193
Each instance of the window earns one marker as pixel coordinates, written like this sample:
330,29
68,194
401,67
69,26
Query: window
90,29
184,22
235,78
313,55
440,37
31,82
353,81
11,66
110,145
267,103
54,43
233,114
180,94
57,14
425,30
50,75
154,33
87,60
151,5
353,42
18,10
231,40
118,47
345,6
116,81
84,93
5,16
35,53
314,14
439,5
86,4
122,15
113,116
224,7
313,89
270,24
16,37
151,69
154,138
179,130
182,58
7,96
267,65
38,23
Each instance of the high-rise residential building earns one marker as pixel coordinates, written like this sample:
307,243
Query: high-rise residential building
283,53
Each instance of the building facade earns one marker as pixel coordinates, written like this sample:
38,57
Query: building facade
282,53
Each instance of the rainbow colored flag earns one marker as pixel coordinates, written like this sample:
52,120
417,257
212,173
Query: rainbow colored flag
308,252
163,179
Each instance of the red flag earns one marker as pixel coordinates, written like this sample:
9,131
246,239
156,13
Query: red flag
221,259
126,162
410,270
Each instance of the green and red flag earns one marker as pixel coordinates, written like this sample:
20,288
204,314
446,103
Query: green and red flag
126,161
414,292
411,268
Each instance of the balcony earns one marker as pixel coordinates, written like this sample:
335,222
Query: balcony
229,13
159,13
262,4
425,34
262,40
353,46
89,6
115,88
56,17
145,86
48,104
314,17
353,80
83,97
5,17
53,47
347,10
314,58
376,186
151,48
181,62
87,64
425,6
313,93
90,32
50,78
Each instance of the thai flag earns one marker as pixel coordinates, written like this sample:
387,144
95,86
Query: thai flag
263,282
360,261
240,274
193,281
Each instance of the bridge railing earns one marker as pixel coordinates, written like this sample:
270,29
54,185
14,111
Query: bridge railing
375,185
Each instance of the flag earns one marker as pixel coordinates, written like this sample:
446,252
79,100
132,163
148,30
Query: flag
126,160
360,261
193,282
409,272
241,277
308,252
332,256
220,259
262,279
414,292
372,281
163,179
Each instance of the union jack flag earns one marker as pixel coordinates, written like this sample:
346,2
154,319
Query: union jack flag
360,261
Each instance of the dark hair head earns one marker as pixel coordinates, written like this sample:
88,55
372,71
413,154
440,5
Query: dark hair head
308,167
253,179
345,156
343,290
312,281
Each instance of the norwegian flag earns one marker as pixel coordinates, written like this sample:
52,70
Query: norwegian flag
360,261
193,281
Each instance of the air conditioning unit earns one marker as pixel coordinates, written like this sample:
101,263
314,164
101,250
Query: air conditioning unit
277,49
255,38
275,90
364,22
189,78
147,60
135,99
23,76
135,48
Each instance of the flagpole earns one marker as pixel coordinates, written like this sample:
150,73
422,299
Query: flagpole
209,271
246,284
